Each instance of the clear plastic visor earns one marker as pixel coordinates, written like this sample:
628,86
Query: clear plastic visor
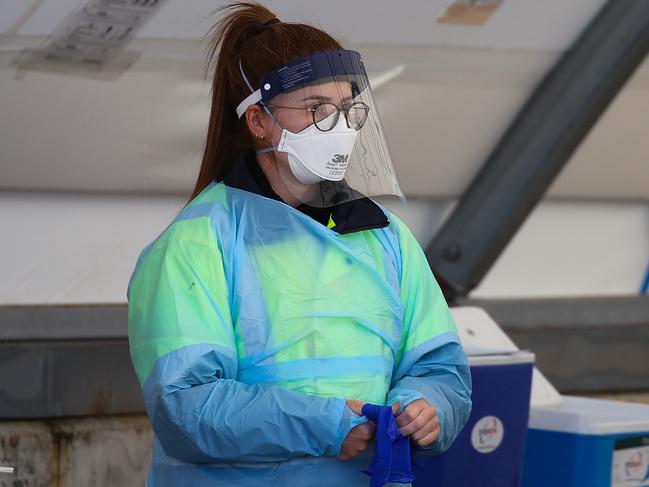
327,144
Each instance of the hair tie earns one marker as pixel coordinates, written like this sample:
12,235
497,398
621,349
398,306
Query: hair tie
259,30
270,22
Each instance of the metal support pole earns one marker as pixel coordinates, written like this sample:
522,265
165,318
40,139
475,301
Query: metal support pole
538,144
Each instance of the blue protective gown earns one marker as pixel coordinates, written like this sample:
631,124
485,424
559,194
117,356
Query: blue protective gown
251,322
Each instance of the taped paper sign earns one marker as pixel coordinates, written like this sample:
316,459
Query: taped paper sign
469,12
90,41
99,29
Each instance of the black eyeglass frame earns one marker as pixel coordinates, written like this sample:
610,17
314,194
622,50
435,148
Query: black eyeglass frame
314,108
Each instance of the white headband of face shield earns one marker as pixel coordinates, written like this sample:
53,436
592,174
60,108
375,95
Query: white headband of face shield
313,155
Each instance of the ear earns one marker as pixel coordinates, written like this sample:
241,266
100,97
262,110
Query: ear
257,121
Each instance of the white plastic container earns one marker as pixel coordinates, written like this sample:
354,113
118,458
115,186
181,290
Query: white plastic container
587,442
571,441
481,336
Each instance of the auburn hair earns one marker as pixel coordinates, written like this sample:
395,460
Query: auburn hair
251,34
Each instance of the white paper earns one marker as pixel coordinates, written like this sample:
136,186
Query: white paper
99,29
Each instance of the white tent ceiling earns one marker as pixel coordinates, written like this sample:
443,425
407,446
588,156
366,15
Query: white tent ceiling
517,24
461,87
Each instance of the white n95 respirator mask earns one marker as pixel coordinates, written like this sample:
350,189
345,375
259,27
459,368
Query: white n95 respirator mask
314,155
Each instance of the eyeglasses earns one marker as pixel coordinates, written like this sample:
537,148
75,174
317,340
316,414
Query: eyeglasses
326,115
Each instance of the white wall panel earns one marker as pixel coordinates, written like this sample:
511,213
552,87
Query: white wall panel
81,248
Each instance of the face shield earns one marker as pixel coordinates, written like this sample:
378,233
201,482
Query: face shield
328,144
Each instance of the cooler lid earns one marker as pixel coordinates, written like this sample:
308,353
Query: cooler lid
507,358
481,336
586,416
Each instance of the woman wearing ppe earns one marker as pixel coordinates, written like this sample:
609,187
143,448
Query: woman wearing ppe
282,298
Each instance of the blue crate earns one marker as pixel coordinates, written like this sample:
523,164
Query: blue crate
489,451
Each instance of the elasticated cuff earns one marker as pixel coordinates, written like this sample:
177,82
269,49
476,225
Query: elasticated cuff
348,420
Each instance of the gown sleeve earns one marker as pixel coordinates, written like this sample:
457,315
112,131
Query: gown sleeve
431,363
184,352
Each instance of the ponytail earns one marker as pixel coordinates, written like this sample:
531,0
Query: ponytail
249,34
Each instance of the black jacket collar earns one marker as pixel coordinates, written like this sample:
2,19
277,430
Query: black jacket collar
348,217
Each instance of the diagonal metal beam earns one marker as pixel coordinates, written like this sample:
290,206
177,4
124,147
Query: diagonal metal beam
538,144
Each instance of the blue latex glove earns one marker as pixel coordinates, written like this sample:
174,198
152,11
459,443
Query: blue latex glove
392,456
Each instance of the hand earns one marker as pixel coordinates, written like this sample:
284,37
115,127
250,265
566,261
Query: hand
359,437
419,421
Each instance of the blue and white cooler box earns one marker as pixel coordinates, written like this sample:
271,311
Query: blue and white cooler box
588,442
489,451
571,441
